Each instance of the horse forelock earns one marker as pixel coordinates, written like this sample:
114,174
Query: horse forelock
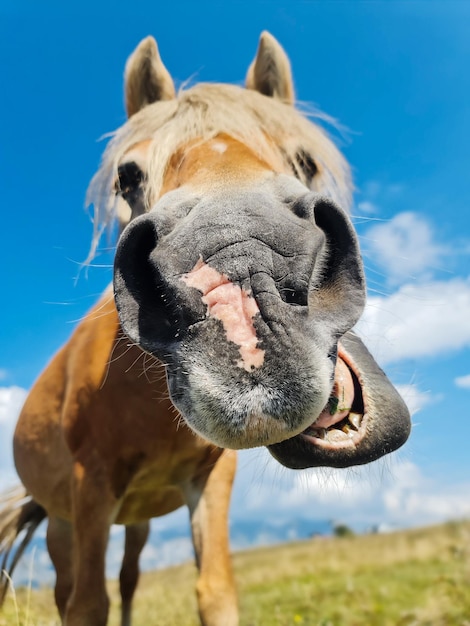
271,129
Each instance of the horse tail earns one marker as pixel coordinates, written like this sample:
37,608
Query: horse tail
19,514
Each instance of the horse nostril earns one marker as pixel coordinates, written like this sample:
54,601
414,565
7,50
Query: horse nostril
296,297
143,296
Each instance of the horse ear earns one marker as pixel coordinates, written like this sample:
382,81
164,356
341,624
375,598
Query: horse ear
270,72
146,79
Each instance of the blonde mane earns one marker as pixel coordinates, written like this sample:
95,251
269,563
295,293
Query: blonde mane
270,128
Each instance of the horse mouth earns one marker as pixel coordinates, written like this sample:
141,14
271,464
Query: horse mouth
343,421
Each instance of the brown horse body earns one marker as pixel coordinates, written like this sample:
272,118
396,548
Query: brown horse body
99,440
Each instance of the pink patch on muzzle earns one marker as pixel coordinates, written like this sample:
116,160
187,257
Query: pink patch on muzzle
233,306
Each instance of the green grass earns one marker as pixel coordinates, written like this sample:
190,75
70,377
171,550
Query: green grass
414,578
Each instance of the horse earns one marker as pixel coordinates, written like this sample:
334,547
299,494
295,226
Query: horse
237,281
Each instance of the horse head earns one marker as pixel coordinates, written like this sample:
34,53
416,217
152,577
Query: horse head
239,267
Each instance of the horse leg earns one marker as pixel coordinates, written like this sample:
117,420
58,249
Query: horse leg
136,537
93,510
208,499
59,545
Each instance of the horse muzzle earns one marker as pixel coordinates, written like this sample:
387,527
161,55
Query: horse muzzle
244,297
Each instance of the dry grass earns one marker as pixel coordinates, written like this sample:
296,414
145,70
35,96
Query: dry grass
414,578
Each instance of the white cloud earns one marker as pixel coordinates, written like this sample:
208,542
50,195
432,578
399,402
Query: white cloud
404,247
463,382
367,207
391,491
378,191
419,500
263,487
418,321
11,401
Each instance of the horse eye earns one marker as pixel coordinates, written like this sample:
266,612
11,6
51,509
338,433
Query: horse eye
306,164
130,177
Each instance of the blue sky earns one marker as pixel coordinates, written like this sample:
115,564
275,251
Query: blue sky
394,75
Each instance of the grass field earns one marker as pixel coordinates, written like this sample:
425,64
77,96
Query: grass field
419,577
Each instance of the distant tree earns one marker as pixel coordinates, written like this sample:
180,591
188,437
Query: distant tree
342,530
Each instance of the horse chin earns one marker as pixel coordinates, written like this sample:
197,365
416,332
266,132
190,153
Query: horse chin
233,407
250,421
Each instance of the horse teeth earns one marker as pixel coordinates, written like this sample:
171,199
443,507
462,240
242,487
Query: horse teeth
335,435
355,419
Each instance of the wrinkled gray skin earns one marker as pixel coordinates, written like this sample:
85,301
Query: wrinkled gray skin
296,253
